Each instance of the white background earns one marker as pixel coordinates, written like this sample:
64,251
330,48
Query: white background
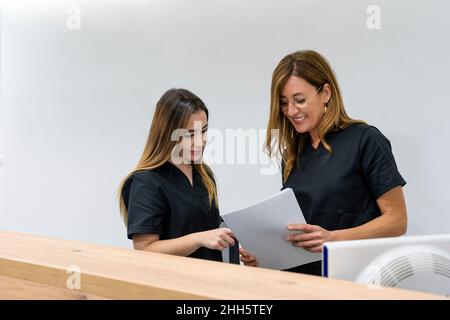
76,105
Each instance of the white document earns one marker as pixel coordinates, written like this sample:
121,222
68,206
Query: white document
262,228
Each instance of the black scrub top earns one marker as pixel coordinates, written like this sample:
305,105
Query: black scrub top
339,190
163,201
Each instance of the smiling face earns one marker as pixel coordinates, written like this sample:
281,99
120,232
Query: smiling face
303,104
193,142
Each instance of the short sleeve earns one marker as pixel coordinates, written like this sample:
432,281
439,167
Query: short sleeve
147,206
378,163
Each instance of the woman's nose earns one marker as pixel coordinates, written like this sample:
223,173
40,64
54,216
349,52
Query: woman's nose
198,140
292,109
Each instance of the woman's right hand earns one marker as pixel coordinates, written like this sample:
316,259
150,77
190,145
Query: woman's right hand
247,258
216,239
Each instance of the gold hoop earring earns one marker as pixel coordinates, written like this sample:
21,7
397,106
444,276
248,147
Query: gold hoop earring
326,107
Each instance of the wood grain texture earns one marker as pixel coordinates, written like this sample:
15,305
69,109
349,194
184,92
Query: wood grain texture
34,267
12,288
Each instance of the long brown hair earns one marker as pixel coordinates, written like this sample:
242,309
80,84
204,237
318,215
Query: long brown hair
172,112
312,67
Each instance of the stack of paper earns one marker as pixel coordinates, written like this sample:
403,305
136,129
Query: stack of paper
262,228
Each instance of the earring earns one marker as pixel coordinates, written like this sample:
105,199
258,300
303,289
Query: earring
326,107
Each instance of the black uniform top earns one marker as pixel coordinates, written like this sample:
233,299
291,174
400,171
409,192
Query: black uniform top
163,201
339,190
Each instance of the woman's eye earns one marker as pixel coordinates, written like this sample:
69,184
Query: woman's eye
299,101
192,135
283,104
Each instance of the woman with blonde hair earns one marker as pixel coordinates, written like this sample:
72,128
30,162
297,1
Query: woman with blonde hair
341,170
169,201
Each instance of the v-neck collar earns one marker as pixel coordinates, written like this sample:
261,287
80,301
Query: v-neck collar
310,152
186,178
317,148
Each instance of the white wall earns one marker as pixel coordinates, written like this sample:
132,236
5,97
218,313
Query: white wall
77,104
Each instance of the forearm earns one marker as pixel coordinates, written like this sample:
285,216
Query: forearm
384,226
182,246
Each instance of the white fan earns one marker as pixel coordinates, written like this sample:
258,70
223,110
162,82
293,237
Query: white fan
419,263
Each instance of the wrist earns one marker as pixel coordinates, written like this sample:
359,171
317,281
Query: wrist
335,235
196,238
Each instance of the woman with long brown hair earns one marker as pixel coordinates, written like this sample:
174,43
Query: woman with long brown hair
169,201
341,170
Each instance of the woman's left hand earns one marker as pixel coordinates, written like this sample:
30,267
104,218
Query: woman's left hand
312,237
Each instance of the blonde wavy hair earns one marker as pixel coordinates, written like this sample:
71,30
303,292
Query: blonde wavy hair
312,67
172,112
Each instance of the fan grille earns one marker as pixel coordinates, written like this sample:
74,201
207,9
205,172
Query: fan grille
406,266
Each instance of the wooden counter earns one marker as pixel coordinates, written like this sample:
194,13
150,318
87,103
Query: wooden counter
33,267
